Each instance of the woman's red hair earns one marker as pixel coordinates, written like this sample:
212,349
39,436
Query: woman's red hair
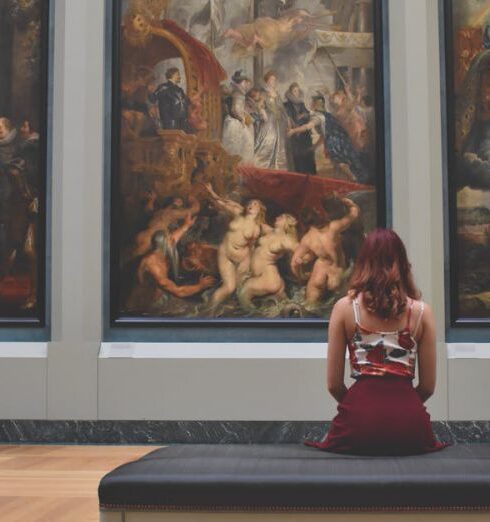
383,274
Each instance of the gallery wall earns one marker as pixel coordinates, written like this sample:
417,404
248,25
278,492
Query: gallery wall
66,379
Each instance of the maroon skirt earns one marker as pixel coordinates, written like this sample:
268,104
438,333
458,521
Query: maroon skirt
380,416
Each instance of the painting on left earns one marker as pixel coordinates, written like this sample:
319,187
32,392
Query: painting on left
24,43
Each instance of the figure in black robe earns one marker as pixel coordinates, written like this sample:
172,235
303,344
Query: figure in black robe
338,144
173,103
301,145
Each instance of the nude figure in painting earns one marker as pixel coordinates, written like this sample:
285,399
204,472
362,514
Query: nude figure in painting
266,279
235,250
324,245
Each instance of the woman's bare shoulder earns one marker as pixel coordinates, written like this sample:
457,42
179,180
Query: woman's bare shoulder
344,302
343,306
343,314
421,306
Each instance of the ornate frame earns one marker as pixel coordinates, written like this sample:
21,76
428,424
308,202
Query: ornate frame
459,327
38,328
222,330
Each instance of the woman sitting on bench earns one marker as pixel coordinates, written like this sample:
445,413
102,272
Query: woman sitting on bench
385,327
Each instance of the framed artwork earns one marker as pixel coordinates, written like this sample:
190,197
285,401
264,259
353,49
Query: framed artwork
467,105
24,47
247,157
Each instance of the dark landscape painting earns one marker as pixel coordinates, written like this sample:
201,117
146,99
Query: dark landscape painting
247,155
23,123
468,103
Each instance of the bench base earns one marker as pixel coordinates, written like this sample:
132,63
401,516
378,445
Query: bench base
155,516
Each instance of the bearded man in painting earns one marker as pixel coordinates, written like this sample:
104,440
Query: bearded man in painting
159,268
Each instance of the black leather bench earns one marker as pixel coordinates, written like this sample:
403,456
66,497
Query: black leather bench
286,479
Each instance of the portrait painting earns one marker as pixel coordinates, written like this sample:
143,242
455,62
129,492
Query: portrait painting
248,157
467,25
23,124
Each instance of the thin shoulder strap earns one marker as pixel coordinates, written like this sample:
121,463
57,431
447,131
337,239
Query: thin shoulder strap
357,311
409,315
419,318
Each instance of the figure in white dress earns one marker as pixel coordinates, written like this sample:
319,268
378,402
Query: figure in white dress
270,143
238,131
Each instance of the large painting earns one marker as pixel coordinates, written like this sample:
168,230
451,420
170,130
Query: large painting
23,123
247,156
467,25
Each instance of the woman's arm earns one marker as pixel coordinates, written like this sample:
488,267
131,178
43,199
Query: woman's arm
290,243
228,205
302,128
300,253
337,342
188,222
195,204
427,356
353,211
265,229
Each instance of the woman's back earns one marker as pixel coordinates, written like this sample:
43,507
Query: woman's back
411,316
380,347
387,330
381,413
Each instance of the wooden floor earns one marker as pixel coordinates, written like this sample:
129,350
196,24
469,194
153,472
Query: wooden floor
44,483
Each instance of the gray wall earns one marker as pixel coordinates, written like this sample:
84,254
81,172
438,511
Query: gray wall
71,382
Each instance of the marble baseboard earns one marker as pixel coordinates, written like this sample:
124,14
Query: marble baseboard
200,432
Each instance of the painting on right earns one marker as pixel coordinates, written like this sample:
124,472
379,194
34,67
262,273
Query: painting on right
467,83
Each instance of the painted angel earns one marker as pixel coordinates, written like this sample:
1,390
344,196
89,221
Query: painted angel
271,33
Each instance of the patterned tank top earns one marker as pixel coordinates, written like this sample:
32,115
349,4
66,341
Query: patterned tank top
381,353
